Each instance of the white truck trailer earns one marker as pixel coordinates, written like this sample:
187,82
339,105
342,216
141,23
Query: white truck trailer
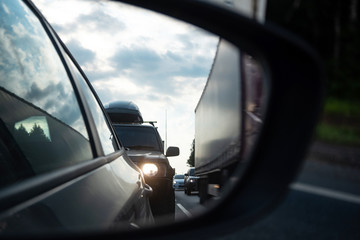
228,114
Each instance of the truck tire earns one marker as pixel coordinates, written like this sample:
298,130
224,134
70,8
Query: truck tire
189,191
203,194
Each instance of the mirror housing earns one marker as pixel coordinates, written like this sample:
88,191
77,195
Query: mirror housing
172,151
293,70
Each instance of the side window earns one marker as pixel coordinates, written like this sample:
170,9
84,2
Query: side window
107,139
40,118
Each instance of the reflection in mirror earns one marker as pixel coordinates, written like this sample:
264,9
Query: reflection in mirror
205,95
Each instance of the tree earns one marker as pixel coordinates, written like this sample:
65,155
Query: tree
38,134
332,28
191,160
21,134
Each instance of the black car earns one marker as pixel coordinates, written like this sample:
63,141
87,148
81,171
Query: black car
190,181
61,168
145,148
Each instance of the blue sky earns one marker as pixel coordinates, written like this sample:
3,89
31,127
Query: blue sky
133,54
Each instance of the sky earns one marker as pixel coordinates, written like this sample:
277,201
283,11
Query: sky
133,54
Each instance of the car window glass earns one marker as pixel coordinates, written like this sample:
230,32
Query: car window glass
138,137
39,111
107,139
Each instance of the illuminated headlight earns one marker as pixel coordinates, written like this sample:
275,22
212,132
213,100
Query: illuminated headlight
174,182
191,180
150,169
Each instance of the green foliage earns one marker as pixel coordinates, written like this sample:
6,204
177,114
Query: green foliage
334,106
38,134
21,133
340,123
331,27
191,160
345,135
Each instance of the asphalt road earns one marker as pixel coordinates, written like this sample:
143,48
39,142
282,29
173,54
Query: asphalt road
187,206
323,203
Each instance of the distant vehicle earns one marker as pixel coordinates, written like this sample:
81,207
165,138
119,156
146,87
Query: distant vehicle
61,168
145,148
190,181
179,181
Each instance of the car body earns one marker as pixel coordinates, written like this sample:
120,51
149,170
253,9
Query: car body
62,169
179,181
145,148
190,181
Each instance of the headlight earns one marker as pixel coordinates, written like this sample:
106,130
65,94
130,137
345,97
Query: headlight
150,169
191,180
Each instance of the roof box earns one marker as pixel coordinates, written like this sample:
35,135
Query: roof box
123,112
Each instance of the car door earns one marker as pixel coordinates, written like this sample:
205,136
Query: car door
61,167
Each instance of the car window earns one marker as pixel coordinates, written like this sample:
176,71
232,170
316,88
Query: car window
107,139
138,137
179,177
40,115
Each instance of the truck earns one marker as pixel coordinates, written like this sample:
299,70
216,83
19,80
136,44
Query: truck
145,148
228,116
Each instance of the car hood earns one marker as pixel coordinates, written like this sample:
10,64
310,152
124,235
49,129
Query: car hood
146,155
193,177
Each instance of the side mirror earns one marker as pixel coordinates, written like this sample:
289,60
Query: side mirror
294,79
172,151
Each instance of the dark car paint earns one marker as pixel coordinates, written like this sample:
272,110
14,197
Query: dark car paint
107,192
162,199
190,181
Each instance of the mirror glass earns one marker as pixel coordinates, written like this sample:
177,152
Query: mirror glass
183,78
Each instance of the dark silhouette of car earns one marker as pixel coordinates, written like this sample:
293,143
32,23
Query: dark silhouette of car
190,181
61,168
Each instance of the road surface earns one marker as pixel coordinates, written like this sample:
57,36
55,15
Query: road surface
323,203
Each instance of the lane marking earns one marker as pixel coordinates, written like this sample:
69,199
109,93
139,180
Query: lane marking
326,192
187,213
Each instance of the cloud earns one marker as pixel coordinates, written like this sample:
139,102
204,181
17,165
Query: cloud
137,59
132,54
81,54
145,66
101,22
95,21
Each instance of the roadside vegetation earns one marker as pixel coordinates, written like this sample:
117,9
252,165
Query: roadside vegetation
332,28
340,122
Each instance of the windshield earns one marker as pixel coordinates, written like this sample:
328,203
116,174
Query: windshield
137,137
179,177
